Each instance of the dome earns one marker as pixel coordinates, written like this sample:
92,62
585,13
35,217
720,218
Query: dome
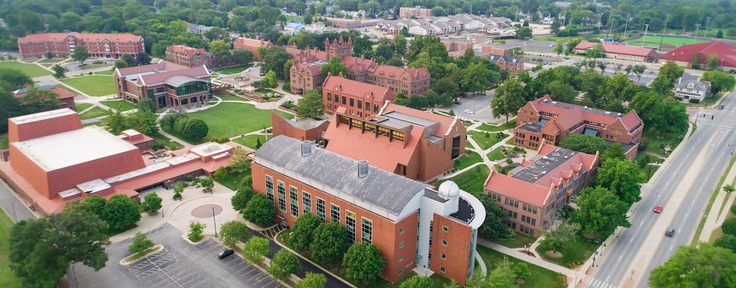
449,189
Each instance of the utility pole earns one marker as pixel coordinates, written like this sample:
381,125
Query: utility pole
697,28
610,16
665,24
645,34
707,21
628,15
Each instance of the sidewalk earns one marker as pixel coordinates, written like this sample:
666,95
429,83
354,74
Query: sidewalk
716,216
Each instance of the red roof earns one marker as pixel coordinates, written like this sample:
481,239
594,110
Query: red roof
63,93
358,89
155,67
248,42
149,79
726,52
185,50
620,49
569,114
443,129
358,64
87,37
517,189
314,68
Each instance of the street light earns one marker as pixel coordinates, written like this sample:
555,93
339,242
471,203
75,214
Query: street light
213,220
696,32
707,21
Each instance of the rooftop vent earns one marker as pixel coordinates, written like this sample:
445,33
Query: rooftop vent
306,148
362,168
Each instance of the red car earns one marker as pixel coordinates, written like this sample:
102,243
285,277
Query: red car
658,209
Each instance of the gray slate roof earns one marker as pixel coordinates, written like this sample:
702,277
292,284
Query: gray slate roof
383,189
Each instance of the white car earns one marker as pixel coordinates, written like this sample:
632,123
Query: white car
468,111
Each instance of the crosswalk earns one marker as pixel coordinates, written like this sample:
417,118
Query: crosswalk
592,282
722,126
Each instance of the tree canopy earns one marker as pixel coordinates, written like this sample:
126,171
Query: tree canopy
584,143
363,263
600,212
622,177
701,265
121,212
311,105
302,231
329,242
232,232
509,97
283,264
259,210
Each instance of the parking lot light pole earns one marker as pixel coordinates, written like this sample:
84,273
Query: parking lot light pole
213,220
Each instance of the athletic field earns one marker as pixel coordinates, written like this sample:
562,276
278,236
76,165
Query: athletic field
668,43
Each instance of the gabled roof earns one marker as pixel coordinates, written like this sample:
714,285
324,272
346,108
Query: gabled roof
570,114
507,59
726,52
185,50
177,76
63,93
366,91
313,68
248,42
620,49
150,68
517,189
87,37
338,175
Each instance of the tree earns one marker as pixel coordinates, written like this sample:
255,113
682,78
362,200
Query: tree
559,238
595,52
523,33
302,231
363,263
502,276
140,243
312,280
115,122
121,212
719,34
151,202
195,231
417,281
80,54
242,57
232,232
509,97
671,71
255,249
395,61
39,100
259,210
521,270
41,250
720,81
239,161
329,242
621,177
143,59
146,104
283,264
695,60
559,48
572,44
59,71
729,188
207,182
274,60
271,79
494,226
726,241
588,144
311,105
221,50
399,44
475,78
129,60
196,129
701,265
241,198
638,70
600,212
614,151
334,67
729,226
446,86
94,204
562,92
143,120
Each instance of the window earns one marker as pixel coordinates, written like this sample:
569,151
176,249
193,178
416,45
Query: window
352,102
269,187
443,256
534,221
367,106
282,196
367,231
515,215
294,201
401,258
343,100
442,269
334,213
375,108
350,225
360,104
444,228
337,99
534,210
523,218
321,208
401,271
306,202
329,96
401,231
401,244
444,242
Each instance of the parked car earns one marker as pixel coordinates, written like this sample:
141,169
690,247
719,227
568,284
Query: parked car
456,102
720,107
225,253
658,209
670,232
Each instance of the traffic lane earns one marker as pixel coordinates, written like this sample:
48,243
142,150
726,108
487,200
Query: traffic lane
15,209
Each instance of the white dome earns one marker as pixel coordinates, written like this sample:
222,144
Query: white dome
449,189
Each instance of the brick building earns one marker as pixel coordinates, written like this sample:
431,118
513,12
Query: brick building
508,63
532,192
66,97
620,51
166,83
252,45
544,120
305,77
413,226
189,56
417,11
496,49
54,159
402,140
454,44
301,129
62,44
359,99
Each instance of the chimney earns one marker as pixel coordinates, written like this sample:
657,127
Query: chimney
306,148
362,168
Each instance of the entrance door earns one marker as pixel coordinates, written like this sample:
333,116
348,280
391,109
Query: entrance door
283,220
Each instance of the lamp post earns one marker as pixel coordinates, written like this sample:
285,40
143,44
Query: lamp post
707,21
628,17
697,28
213,220
646,31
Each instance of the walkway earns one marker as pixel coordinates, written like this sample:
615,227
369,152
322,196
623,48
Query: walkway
719,211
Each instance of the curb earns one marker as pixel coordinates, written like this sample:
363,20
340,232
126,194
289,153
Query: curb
157,248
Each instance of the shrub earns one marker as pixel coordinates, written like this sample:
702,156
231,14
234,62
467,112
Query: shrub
140,243
509,161
195,231
694,101
729,226
151,202
733,209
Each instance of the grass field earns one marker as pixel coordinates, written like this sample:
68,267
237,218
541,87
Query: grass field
518,241
93,113
105,72
119,105
230,97
496,154
82,106
653,141
496,128
93,85
32,70
231,119
470,181
168,143
483,141
51,61
540,277
232,70
251,141
467,160
6,275
579,251
655,40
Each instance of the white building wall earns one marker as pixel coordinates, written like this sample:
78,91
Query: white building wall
429,207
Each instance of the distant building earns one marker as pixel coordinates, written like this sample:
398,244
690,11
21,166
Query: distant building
252,45
689,88
66,98
293,27
508,63
413,225
358,99
189,56
683,55
453,44
417,12
409,142
63,44
496,49
620,51
532,193
166,83
300,129
543,121
198,29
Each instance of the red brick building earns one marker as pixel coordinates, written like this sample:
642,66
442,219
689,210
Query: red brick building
62,44
544,120
620,51
301,129
305,77
453,44
508,63
417,12
683,55
375,207
189,56
496,49
66,97
252,45
402,140
166,83
359,99
532,192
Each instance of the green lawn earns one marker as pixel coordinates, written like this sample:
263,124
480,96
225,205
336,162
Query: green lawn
6,275
119,105
579,251
496,154
495,128
230,97
467,160
232,70
93,113
655,40
231,181
32,70
104,72
540,277
653,141
82,106
518,241
483,141
93,85
168,143
265,92
250,141
51,61
471,181
231,119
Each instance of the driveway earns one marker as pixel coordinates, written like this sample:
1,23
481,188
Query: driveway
476,107
12,206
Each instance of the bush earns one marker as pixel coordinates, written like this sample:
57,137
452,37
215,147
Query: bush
284,264
140,243
195,231
733,209
694,101
509,161
151,202
729,226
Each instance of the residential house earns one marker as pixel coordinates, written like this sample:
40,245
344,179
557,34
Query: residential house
689,88
508,63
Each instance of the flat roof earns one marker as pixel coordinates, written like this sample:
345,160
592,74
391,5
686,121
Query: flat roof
544,164
209,149
70,148
42,116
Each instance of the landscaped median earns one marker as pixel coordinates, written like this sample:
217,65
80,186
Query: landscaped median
139,256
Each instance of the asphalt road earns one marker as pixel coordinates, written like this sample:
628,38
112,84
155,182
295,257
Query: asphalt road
683,188
12,206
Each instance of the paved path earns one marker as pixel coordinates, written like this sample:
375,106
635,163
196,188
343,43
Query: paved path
716,215
12,205
524,257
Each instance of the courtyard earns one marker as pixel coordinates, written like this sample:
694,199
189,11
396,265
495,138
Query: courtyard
92,85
